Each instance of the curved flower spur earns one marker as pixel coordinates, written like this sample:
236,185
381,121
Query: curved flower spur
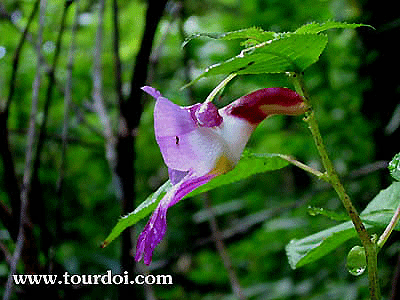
200,142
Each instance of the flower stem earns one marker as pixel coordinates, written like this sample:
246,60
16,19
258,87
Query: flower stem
219,87
369,245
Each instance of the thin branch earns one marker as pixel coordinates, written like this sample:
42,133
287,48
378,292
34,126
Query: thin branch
117,59
9,218
367,169
6,253
97,77
246,225
99,107
50,88
80,115
173,14
64,135
6,218
67,100
36,211
18,53
133,110
28,158
11,181
60,87
218,240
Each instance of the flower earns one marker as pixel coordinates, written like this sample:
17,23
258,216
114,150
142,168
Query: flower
200,142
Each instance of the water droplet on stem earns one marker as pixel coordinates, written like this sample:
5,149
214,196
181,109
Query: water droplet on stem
356,261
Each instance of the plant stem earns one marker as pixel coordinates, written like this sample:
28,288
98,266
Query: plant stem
304,167
219,87
333,178
385,235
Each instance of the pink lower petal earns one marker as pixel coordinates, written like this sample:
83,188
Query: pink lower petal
151,235
156,227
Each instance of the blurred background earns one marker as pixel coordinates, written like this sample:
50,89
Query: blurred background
94,155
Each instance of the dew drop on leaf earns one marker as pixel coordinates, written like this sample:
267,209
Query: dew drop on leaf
356,261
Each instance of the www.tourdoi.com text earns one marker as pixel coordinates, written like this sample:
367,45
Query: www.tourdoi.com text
90,279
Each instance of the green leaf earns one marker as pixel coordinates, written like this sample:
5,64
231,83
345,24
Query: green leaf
288,53
271,52
379,218
249,164
386,200
317,27
394,167
378,213
143,210
309,249
251,34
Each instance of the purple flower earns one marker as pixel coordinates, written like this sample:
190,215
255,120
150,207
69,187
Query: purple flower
200,142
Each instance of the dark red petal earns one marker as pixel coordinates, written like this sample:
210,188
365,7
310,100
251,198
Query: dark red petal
258,105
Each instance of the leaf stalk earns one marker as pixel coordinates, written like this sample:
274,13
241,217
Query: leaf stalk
385,235
304,167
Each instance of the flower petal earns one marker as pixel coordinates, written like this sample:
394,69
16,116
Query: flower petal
175,175
151,91
200,142
207,115
258,105
236,133
198,150
152,234
187,136
156,227
178,136
171,119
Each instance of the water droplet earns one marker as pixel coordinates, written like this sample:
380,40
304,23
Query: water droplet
356,261
357,272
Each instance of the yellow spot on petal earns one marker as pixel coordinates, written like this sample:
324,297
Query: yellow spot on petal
222,166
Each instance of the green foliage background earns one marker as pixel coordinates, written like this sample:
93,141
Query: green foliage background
264,212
